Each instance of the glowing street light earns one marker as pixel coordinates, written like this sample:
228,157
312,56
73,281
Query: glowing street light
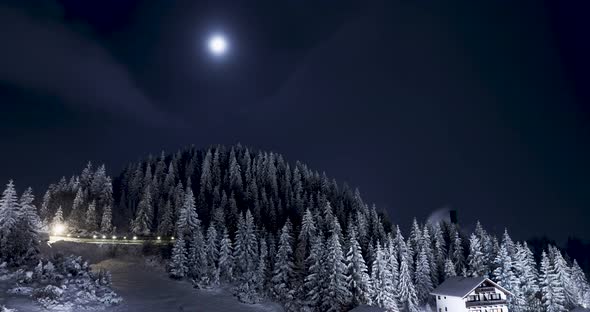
104,237
124,237
159,238
172,237
134,237
59,229
114,237
94,236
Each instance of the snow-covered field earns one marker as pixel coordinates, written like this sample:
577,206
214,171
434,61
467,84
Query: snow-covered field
143,287
149,289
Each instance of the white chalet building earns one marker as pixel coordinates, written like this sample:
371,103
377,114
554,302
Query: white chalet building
470,294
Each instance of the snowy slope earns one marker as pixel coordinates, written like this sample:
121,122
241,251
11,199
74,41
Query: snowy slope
149,289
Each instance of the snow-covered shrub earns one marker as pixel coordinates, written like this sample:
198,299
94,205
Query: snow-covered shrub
21,290
49,292
103,278
5,309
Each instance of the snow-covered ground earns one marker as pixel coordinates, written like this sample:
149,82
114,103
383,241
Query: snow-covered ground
149,289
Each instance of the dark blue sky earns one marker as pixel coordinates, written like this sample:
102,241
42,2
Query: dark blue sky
479,106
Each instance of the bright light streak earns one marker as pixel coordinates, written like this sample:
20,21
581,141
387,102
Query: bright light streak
59,229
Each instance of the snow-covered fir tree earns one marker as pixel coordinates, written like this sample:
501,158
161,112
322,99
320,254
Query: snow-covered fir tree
313,281
58,218
90,222
282,279
226,258
553,293
357,276
337,295
142,224
383,294
19,226
422,277
563,277
476,258
449,270
407,295
106,223
212,251
178,261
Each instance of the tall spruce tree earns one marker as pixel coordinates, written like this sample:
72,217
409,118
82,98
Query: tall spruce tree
282,280
357,277
337,294
383,294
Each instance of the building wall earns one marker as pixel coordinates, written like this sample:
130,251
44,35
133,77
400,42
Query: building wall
450,304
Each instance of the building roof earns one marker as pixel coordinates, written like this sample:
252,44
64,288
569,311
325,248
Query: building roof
461,286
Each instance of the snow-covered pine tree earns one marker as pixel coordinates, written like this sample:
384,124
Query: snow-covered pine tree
406,290
391,259
504,274
580,285
552,292
167,220
449,269
457,248
262,270
142,224
44,211
76,217
282,278
106,223
245,257
357,277
414,239
427,243
440,252
226,258
245,246
58,218
306,235
98,181
509,244
24,238
337,295
563,277
91,222
9,209
179,261
422,277
212,251
525,269
313,284
383,294
476,259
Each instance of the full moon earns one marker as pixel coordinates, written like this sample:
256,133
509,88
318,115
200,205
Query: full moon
217,45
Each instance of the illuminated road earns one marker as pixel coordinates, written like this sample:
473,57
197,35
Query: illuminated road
116,240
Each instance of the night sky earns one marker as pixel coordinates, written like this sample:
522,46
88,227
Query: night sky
482,106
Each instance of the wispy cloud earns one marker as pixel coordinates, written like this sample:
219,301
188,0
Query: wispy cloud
43,53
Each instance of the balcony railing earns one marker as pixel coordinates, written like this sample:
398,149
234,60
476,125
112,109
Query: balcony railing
485,289
483,303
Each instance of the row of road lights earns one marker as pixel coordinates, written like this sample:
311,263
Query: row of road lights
59,229
115,237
